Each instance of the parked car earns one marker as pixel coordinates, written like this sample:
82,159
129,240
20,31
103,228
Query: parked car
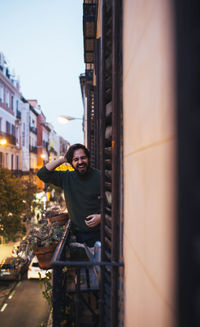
34,270
13,268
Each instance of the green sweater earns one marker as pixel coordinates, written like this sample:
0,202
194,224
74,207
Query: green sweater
82,193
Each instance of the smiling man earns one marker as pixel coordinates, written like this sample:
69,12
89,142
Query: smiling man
81,189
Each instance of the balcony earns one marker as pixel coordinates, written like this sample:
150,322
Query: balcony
11,139
75,288
18,114
45,145
33,129
80,286
33,149
89,30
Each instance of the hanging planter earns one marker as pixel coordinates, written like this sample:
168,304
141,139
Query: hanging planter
45,254
61,219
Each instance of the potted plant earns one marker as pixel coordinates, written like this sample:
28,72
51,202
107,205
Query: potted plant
56,216
43,240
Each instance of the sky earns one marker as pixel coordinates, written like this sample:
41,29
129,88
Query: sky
42,41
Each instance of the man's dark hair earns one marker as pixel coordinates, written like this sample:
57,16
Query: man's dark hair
70,152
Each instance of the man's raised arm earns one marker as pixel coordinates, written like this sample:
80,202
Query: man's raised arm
56,163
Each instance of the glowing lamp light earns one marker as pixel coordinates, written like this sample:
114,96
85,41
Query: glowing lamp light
65,119
43,156
3,141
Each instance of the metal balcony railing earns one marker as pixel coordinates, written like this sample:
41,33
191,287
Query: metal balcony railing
45,145
77,291
11,139
89,30
33,149
18,114
33,129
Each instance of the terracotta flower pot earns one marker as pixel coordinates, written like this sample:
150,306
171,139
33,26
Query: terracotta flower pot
45,254
61,219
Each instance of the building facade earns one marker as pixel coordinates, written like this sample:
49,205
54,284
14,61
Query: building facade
10,118
145,79
130,104
33,138
26,139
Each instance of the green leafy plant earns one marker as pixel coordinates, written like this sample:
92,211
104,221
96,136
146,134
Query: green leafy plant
46,285
44,235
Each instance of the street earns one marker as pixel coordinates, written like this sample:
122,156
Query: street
23,304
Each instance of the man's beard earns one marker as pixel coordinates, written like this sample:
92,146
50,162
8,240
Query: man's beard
85,167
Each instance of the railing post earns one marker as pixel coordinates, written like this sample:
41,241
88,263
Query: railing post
78,297
58,296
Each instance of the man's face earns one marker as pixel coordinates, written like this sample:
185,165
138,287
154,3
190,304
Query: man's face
80,162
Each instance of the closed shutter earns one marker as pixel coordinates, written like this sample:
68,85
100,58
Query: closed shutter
111,122
91,123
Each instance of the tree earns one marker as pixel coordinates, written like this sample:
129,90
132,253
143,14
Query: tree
17,195
11,204
29,187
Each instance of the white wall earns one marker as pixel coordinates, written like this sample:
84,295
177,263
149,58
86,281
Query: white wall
149,163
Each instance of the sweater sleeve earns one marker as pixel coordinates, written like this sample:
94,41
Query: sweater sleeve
52,177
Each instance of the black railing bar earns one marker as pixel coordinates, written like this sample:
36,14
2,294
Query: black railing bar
88,263
77,301
62,243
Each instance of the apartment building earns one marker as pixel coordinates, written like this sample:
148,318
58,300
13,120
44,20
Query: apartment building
33,138
54,143
42,134
26,139
10,118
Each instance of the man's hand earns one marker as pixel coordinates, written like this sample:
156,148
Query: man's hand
93,220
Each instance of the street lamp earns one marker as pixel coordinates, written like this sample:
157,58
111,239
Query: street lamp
43,156
3,141
65,119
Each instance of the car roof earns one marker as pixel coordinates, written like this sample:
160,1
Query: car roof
34,259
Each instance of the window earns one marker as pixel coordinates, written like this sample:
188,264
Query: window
23,134
7,99
17,105
7,127
1,94
12,161
13,130
1,159
17,134
6,163
17,162
12,102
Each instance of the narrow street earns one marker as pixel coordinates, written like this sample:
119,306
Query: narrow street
24,305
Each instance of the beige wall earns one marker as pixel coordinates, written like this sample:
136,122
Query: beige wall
149,163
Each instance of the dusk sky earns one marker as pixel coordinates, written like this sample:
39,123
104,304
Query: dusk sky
42,41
